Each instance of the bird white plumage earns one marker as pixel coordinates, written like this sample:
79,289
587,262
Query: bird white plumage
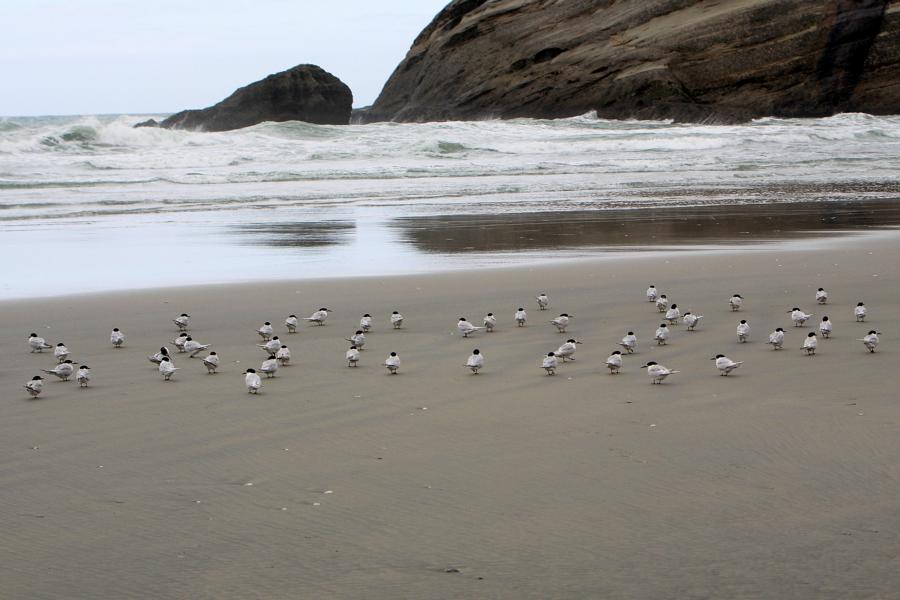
825,328
561,322
37,343
358,339
521,317
860,312
466,328
550,363
266,330
64,370
193,347
117,338
270,366
662,303
776,339
211,363
810,344
691,320
652,294
543,301
283,355
365,322
567,350
736,302
490,321
35,386
821,296
798,317
83,376
629,342
673,314
291,323
392,363
396,320
272,346
180,341
725,365
743,331
60,352
657,372
167,368
252,381
352,356
475,362
183,321
662,335
319,316
871,341
614,362
158,356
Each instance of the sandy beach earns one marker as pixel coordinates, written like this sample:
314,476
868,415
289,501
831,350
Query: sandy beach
780,481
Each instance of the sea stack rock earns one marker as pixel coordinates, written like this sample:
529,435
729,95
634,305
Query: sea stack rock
303,93
687,60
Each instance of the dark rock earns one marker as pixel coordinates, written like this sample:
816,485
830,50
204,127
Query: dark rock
148,123
688,60
303,93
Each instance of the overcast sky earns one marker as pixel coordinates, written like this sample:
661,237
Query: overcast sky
62,57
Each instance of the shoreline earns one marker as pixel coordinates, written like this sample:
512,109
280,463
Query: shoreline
371,486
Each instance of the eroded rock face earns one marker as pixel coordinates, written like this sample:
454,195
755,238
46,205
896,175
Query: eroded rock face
689,60
303,93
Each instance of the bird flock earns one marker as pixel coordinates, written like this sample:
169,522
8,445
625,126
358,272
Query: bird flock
278,354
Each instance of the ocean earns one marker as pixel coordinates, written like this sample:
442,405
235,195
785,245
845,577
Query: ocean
90,204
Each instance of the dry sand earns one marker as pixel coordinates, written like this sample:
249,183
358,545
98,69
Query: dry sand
781,481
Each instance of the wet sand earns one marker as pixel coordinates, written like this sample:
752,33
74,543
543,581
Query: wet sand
780,481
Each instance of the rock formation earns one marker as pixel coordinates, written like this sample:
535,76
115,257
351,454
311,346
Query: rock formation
303,93
688,60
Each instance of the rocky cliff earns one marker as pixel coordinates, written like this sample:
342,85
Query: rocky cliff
689,60
303,93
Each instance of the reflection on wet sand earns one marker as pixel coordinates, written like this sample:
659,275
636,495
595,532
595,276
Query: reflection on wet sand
623,229
297,234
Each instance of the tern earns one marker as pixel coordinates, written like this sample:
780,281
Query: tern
776,339
270,366
83,376
392,363
490,321
567,350
396,320
629,342
183,321
825,328
283,355
35,386
180,341
352,356
799,317
725,364
37,343
543,301
673,314
821,296
265,332
365,323
291,323
691,320
358,339
871,341
252,381
167,368
116,338
810,343
193,347
736,302
521,317
860,312
211,363
60,352
157,358
272,346
662,335
662,303
63,370
652,294
614,362
475,362
319,316
550,363
743,331
561,322
658,372
466,328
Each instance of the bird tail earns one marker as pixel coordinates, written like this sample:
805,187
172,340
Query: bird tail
673,372
48,372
